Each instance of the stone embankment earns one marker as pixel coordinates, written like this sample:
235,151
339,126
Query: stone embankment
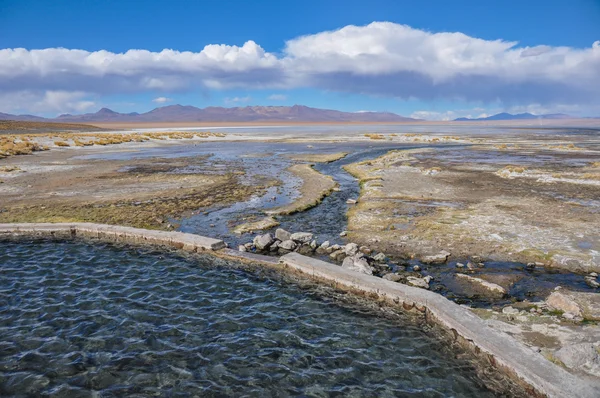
529,369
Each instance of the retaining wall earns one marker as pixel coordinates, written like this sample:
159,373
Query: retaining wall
539,376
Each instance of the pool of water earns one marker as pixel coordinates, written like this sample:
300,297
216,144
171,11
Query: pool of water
104,320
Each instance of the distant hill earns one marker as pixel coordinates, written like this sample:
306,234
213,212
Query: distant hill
518,116
181,113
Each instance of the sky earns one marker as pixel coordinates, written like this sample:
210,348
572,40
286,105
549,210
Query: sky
428,59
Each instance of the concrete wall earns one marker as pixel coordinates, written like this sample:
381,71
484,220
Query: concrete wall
539,376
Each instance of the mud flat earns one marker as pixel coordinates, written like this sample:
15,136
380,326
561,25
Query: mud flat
315,187
157,193
471,202
530,374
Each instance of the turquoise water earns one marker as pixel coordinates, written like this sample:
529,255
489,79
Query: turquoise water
103,320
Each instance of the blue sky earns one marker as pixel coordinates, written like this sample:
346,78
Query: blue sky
536,56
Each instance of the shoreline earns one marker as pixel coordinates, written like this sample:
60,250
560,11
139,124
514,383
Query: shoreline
538,376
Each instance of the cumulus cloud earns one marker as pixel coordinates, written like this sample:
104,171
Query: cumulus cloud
277,97
45,102
382,59
162,100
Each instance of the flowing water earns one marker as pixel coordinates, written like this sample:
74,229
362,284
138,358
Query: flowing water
104,320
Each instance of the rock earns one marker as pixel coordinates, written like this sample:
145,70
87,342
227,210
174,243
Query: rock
358,264
282,234
336,247
343,233
490,287
593,274
460,265
302,237
416,268
418,282
352,201
439,258
510,310
351,249
325,245
288,245
392,277
337,255
365,250
305,249
592,282
530,266
274,246
262,242
380,258
329,250
313,244
583,357
242,248
581,304
249,246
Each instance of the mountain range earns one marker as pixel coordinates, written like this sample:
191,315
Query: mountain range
518,116
181,113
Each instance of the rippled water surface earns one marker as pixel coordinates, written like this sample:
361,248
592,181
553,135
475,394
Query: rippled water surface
103,320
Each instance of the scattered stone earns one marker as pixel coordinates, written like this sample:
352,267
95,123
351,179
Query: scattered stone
325,245
343,233
313,244
460,265
302,237
282,234
593,274
562,302
249,246
488,286
352,201
418,282
416,268
288,245
336,247
380,258
274,246
530,266
392,277
242,248
439,258
351,249
262,242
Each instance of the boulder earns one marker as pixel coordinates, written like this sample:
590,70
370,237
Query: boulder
483,285
313,244
439,258
305,249
301,237
325,245
580,304
358,264
351,249
583,357
282,234
288,245
274,246
337,255
418,282
392,277
262,242
380,258
242,248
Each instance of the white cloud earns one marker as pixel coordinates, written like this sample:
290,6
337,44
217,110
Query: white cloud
277,97
237,100
45,102
432,115
162,100
382,59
